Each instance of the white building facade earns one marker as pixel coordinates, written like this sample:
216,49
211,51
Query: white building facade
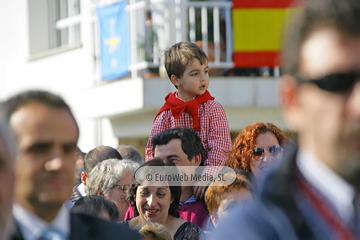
54,45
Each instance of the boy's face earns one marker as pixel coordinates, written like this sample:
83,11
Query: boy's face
194,82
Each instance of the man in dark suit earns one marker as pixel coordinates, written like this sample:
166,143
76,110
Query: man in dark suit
47,135
314,192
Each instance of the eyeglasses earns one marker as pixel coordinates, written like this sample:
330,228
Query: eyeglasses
276,151
335,83
123,188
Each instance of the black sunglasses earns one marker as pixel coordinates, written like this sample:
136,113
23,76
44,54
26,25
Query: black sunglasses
276,151
335,83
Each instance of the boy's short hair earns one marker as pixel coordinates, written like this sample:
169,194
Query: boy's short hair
180,55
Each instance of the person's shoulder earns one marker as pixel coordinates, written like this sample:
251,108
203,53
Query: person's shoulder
75,195
248,220
189,230
212,103
214,108
189,225
88,227
124,223
165,113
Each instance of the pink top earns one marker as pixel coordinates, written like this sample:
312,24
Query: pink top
195,212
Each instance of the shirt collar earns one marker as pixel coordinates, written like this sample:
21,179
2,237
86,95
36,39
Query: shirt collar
81,189
192,199
32,226
177,96
336,190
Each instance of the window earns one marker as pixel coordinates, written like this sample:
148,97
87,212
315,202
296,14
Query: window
53,24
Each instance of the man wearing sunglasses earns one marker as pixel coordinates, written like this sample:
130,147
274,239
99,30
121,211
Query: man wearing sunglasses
313,193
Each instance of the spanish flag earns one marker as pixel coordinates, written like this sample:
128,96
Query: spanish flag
258,27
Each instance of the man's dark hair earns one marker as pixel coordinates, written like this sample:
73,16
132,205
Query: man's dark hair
44,97
99,154
340,15
95,205
190,141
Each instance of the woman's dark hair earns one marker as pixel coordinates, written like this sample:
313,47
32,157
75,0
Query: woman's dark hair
95,205
175,189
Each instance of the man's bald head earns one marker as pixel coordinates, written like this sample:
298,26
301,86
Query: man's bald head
99,154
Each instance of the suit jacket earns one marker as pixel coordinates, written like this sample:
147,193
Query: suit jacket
91,228
279,211
75,195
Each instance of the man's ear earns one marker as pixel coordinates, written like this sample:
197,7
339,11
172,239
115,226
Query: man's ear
83,178
289,92
174,80
197,160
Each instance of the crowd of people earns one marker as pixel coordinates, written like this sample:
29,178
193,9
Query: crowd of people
305,187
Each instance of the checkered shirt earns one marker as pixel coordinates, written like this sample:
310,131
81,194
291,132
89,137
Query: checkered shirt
214,132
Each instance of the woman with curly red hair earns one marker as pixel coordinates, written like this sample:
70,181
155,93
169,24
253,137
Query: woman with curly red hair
257,147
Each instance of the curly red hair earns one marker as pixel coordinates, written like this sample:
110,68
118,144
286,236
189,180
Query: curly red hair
241,152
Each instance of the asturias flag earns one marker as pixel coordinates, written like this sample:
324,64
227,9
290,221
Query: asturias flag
114,41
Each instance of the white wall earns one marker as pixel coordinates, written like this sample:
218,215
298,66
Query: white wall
131,104
68,73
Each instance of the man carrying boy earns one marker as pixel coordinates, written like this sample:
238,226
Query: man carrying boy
183,147
193,106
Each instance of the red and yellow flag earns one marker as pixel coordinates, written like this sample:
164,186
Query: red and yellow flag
257,28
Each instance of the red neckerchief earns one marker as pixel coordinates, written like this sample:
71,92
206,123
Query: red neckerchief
326,211
178,106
